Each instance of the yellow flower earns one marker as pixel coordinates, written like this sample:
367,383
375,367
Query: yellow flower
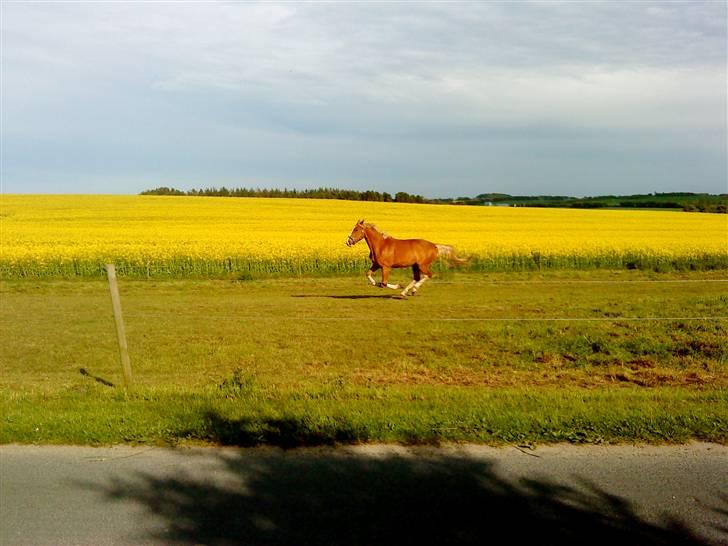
40,233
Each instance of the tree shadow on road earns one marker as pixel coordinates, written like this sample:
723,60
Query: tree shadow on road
327,497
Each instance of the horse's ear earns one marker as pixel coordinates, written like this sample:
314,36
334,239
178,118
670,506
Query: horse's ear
361,222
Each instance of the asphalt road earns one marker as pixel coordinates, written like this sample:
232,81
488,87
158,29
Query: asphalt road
373,495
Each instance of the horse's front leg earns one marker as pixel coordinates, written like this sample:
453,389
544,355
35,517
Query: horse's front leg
385,278
370,274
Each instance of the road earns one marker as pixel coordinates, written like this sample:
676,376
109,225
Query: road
373,495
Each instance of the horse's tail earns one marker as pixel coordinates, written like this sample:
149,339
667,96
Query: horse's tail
448,252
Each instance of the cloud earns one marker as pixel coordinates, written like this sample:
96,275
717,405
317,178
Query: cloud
143,78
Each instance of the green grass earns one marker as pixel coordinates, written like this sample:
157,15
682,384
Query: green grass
251,268
425,414
326,360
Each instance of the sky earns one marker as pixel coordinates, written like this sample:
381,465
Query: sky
442,99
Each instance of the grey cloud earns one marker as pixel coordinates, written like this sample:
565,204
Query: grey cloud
381,93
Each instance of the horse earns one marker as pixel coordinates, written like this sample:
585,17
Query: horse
386,253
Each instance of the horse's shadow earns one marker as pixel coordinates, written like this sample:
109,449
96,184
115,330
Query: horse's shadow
346,296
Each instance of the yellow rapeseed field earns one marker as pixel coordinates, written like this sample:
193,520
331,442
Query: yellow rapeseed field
150,235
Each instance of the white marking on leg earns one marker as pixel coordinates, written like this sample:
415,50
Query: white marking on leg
410,285
393,286
371,279
418,284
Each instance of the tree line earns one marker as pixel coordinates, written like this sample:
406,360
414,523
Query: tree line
690,202
318,193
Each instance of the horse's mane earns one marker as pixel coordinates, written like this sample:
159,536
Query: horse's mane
375,228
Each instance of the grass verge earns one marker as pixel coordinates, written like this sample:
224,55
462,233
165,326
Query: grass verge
354,415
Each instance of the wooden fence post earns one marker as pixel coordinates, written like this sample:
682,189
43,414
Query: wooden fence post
120,332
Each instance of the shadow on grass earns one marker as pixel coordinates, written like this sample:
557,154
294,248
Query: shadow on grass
329,497
86,373
285,432
345,297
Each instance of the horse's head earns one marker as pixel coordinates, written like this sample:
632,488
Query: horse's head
357,234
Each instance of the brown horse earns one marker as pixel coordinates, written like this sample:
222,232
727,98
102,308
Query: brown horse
387,252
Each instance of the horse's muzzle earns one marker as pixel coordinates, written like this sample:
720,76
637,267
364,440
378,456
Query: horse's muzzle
350,242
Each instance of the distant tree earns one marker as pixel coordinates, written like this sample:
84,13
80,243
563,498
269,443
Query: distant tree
163,190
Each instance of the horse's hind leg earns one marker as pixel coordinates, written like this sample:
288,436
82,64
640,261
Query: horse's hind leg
419,279
416,274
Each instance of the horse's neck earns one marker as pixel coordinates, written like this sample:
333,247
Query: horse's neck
374,239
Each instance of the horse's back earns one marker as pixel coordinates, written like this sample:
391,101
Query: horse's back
407,252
